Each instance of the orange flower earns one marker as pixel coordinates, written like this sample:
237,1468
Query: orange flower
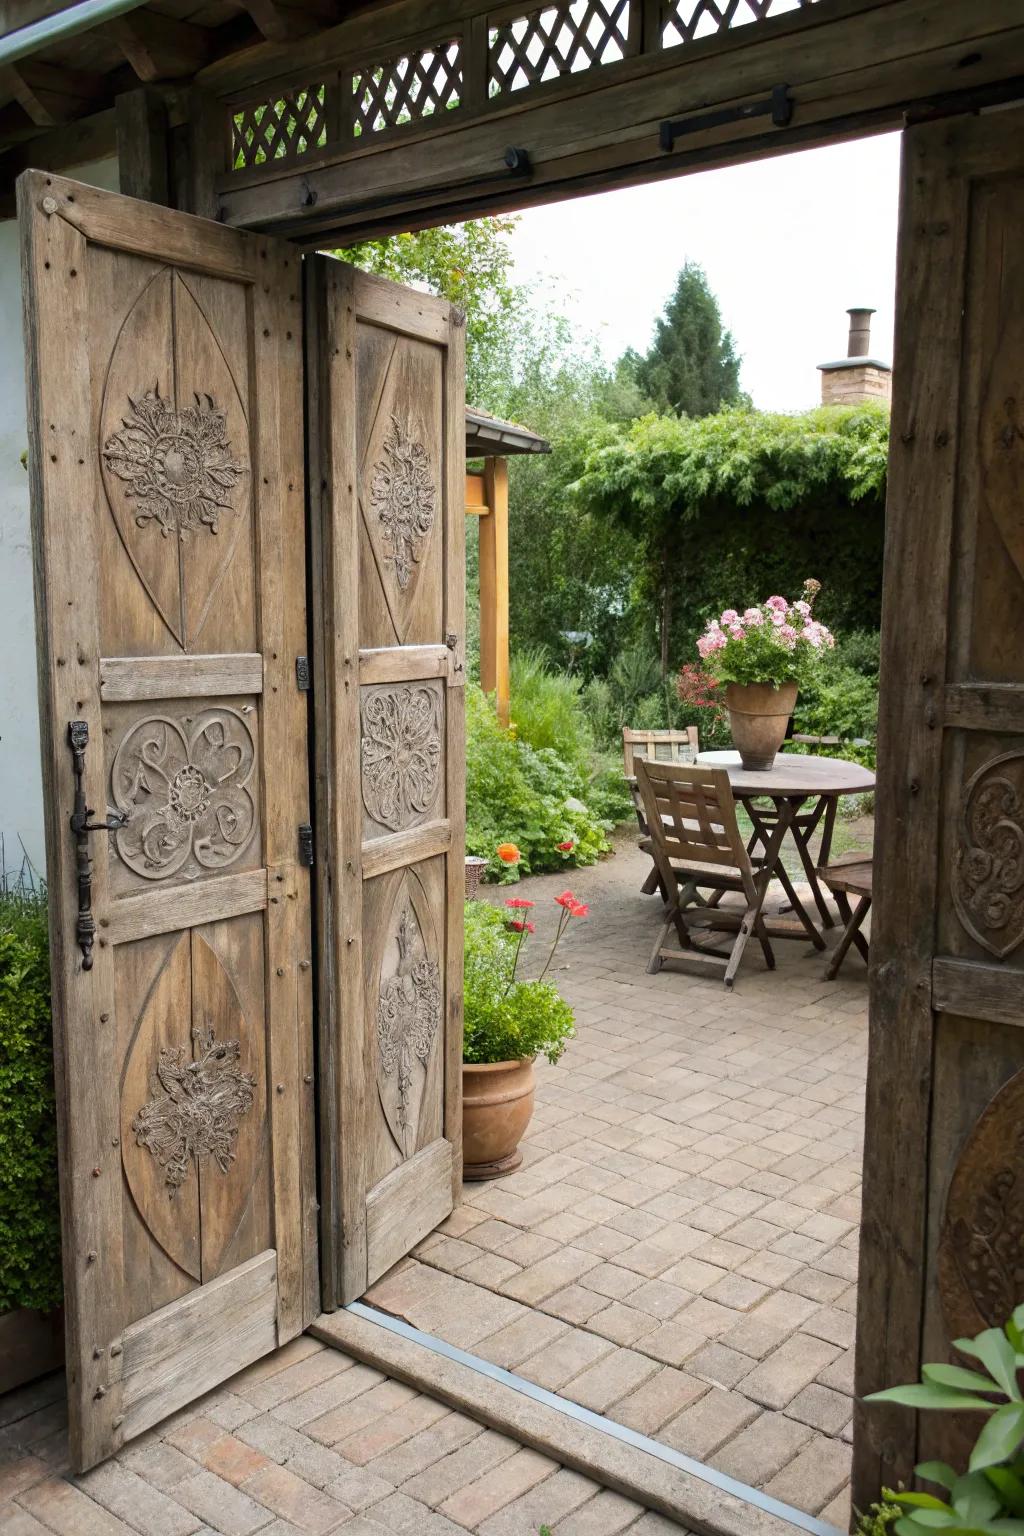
508,853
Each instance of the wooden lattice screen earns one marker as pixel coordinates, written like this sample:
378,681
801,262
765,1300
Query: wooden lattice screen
506,51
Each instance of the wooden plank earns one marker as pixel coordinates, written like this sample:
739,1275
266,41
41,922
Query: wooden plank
455,738
191,1345
975,989
143,145
403,664
178,677
476,500
494,601
152,912
919,531
988,707
384,854
406,1205
387,304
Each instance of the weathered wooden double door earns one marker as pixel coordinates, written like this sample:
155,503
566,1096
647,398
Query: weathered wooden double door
167,411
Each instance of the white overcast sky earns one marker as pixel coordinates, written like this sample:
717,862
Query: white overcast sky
788,244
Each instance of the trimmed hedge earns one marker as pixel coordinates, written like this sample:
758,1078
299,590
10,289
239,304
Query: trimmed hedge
30,1274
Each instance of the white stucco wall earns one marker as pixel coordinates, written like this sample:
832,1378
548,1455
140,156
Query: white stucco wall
21,795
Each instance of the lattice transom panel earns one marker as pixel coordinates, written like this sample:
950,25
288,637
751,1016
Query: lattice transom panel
405,89
558,40
685,20
293,124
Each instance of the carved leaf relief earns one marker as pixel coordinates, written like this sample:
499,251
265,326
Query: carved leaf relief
196,1107
403,499
408,1016
988,873
401,753
183,785
981,1249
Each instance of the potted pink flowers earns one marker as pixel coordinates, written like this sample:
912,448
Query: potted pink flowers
760,656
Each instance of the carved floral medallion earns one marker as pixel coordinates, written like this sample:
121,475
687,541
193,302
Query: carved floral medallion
401,753
981,1247
988,873
195,1108
183,786
403,496
408,1015
178,465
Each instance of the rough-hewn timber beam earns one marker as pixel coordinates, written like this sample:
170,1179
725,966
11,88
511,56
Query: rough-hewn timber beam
91,138
856,68
49,93
159,47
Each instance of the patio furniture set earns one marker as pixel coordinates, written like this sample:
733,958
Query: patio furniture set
686,804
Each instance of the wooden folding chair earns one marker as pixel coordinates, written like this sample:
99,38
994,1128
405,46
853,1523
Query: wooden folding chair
851,877
664,746
696,841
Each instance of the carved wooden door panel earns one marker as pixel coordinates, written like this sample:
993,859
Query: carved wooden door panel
165,410
387,425
943,1229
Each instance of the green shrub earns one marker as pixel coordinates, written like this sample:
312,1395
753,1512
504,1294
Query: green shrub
29,1207
547,710
841,697
506,1019
880,1519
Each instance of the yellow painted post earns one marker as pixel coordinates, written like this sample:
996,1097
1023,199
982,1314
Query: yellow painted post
494,666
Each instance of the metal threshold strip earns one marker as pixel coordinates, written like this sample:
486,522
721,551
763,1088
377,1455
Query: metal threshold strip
571,1410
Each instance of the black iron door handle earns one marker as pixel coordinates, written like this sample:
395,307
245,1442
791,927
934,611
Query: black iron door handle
81,826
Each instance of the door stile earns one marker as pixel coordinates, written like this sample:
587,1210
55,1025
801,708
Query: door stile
455,627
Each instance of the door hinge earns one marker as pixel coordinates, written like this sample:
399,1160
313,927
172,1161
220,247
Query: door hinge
306,845
302,673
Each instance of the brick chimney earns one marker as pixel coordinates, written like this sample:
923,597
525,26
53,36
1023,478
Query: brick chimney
858,376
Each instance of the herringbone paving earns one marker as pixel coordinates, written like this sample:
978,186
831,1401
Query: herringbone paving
679,1249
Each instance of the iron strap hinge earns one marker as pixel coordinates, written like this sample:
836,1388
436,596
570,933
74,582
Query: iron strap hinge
306,845
778,106
302,676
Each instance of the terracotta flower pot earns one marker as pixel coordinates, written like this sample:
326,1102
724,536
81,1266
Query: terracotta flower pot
758,715
497,1105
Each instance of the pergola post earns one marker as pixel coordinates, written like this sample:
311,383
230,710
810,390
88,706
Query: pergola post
494,657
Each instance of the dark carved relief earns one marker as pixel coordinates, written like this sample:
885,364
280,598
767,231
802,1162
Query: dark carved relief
402,495
981,1250
988,874
177,464
401,753
408,1015
183,787
196,1107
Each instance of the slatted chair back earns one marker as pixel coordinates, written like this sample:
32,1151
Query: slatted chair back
691,815
660,746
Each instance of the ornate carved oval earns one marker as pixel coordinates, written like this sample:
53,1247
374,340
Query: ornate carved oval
183,785
173,451
401,752
988,871
410,999
403,499
981,1248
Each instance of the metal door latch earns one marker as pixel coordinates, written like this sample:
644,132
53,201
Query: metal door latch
778,106
306,845
302,679
81,826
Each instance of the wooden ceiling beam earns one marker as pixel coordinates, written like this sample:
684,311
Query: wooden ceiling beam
90,138
49,93
279,23
159,47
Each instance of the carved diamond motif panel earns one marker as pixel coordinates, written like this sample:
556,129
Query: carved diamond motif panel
196,1105
988,871
403,499
408,1013
401,753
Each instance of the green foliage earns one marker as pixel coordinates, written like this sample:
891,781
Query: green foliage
546,710
506,1019
692,366
29,1211
633,694
988,1499
840,697
880,1519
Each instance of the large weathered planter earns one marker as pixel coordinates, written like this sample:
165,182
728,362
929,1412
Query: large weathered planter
31,1343
758,716
497,1105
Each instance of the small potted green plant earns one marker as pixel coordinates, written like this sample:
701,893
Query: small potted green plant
760,656
508,1023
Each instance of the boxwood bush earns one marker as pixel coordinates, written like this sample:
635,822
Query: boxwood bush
29,1203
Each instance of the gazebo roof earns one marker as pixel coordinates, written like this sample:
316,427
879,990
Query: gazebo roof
488,436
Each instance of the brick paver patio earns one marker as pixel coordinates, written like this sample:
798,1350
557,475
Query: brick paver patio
679,1249
308,1441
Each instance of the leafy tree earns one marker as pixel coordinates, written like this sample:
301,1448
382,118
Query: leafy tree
691,367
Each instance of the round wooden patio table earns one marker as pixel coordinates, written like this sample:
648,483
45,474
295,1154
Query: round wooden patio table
790,783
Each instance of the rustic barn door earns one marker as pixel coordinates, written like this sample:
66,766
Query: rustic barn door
387,426
165,410
944,1167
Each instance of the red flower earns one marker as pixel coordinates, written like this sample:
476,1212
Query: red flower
579,909
566,900
515,926
567,846
519,901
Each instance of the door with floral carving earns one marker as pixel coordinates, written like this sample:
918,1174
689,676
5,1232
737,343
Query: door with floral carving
165,411
387,429
943,1227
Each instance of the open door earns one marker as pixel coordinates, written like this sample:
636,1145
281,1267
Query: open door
165,418
943,1220
387,433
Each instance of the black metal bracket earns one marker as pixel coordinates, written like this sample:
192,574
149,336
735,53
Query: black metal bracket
778,106
306,845
302,675
81,826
